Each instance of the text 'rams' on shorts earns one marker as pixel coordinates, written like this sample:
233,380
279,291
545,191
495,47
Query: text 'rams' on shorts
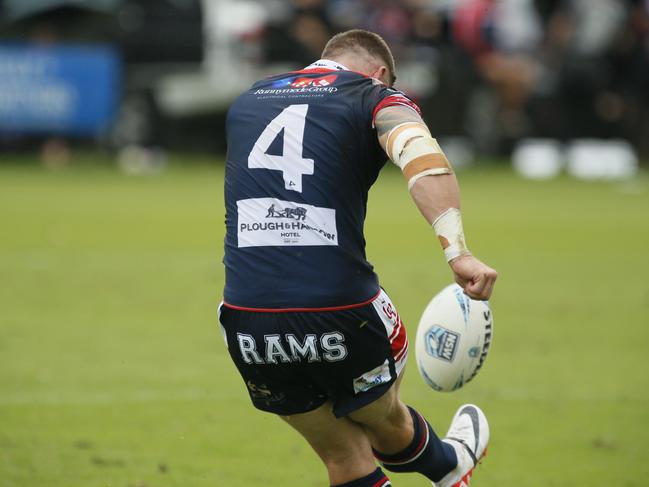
293,362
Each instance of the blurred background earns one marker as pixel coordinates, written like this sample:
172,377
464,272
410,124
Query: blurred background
112,370
556,80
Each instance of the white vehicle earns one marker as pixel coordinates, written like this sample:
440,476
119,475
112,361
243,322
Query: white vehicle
453,339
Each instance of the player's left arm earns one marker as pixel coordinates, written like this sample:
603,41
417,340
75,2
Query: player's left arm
434,188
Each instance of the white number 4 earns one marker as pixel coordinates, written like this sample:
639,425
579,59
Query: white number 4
291,162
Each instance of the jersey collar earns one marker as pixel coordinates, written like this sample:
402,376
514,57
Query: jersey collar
327,64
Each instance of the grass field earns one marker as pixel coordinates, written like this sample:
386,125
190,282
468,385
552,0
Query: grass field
113,372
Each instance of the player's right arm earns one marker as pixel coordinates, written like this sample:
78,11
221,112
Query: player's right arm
404,136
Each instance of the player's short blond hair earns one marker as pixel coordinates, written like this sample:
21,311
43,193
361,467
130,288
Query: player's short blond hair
363,40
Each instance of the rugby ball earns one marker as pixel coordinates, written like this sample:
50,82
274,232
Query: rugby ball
453,339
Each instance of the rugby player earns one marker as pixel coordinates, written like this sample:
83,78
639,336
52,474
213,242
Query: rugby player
315,338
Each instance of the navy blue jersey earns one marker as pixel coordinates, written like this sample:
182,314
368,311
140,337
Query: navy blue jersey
302,155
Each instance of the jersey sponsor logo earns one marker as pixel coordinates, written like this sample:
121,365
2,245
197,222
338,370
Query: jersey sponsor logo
264,222
304,82
321,81
375,377
441,343
298,213
300,84
287,348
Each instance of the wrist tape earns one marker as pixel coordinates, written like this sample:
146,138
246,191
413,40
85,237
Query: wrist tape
448,227
411,147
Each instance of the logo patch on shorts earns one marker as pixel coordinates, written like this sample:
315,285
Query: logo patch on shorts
375,377
441,343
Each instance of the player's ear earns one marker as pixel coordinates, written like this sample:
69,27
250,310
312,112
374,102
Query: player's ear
382,73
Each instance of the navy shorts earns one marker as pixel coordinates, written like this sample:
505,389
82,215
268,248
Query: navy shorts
294,361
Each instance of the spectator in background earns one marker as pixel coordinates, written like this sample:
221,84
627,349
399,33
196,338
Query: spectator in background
499,70
585,64
554,68
391,19
501,37
504,69
300,37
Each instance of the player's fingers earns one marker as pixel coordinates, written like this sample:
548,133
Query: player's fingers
483,285
490,277
473,295
461,281
469,292
488,289
473,289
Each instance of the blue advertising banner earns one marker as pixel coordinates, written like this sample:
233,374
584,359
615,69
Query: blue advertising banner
58,89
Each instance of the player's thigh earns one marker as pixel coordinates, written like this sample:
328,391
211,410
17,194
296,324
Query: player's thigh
341,444
386,410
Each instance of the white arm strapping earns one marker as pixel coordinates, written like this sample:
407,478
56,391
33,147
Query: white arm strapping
412,148
448,227
398,142
418,147
429,172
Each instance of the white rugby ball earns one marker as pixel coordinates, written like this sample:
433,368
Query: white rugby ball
453,339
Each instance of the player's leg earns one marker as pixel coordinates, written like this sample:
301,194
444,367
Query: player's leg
285,390
402,439
342,445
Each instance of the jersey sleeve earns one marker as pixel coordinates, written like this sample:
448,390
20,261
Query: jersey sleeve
388,97
373,97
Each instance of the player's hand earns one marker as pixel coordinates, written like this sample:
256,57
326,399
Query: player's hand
476,278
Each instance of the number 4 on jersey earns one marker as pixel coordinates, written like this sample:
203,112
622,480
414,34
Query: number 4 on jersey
291,162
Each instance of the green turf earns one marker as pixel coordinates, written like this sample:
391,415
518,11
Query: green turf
113,373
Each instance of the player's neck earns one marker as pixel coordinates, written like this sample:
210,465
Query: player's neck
351,62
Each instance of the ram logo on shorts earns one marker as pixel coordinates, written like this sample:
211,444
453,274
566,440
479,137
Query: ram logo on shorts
288,348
